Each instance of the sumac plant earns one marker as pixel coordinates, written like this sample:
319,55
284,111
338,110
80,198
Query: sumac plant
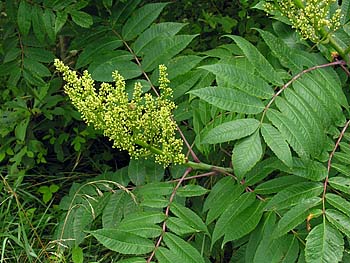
238,154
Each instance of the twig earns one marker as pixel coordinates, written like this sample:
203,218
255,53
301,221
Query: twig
137,61
329,164
167,210
194,156
297,76
194,177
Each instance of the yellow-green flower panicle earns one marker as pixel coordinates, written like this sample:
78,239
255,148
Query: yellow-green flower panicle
142,126
309,17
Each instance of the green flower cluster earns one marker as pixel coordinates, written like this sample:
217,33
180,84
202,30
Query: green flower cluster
142,126
311,17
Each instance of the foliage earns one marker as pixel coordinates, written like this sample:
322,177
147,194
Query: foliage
266,177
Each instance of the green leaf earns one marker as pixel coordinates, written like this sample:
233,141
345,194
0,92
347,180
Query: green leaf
61,18
277,144
263,229
263,169
340,183
289,131
281,250
224,192
181,65
165,255
246,154
136,171
162,49
141,229
277,184
24,17
280,50
21,129
12,54
141,19
232,130
294,194
304,87
36,68
324,244
122,10
230,99
233,76
127,69
162,188
123,242
313,122
188,81
339,203
97,47
263,67
345,11
343,169
342,157
191,190
39,54
230,214
305,128
156,30
54,188
38,23
77,255
339,220
309,169
190,217
184,251
133,260
147,217
245,222
154,201
118,205
179,226
324,94
81,18
295,216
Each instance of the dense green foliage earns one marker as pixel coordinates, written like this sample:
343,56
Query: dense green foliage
262,113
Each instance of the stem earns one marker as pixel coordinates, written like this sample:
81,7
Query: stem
153,149
297,76
208,167
343,53
167,210
329,165
193,165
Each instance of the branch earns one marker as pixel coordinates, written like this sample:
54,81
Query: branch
167,210
297,76
330,164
